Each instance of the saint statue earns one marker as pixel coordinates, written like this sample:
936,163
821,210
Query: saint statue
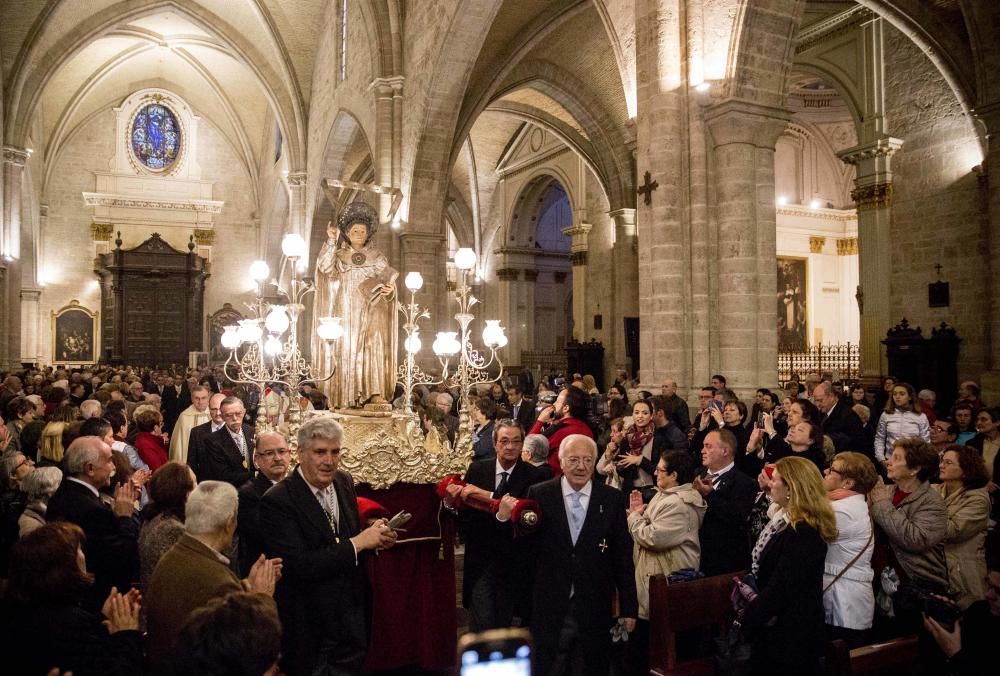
355,282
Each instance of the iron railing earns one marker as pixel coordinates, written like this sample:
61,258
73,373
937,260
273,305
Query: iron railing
841,361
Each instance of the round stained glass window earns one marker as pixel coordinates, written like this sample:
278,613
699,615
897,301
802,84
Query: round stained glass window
156,137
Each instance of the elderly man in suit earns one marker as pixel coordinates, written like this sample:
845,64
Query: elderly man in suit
840,422
271,457
227,453
194,571
311,521
582,556
729,493
492,583
194,415
200,433
111,549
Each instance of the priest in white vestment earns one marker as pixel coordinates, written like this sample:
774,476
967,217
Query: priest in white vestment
191,417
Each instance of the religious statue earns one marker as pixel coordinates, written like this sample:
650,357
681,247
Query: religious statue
355,282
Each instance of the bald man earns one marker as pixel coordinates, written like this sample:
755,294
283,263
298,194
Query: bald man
194,415
199,434
272,459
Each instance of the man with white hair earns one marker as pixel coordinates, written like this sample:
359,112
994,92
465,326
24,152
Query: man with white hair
112,534
90,408
194,571
194,415
582,556
536,452
311,521
928,402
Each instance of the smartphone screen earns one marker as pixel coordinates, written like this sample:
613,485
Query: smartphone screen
499,652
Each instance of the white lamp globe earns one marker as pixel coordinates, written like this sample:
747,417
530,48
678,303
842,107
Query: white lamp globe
249,331
231,337
293,246
492,332
259,271
412,343
446,344
329,328
465,258
272,346
277,319
414,281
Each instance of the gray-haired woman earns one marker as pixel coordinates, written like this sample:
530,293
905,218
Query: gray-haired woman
40,485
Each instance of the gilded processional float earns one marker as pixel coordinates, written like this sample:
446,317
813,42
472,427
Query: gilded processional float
394,461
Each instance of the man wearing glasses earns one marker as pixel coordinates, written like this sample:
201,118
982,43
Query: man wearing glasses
271,457
227,455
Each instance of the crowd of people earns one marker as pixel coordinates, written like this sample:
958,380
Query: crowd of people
139,511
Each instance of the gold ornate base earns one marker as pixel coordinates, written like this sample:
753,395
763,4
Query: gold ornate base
384,448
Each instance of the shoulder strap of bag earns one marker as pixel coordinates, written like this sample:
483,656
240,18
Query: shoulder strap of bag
871,536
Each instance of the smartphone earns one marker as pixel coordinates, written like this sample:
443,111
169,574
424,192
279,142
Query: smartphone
716,404
497,652
760,420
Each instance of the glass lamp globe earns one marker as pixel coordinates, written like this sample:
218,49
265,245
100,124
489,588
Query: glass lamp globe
412,343
259,271
446,344
329,328
231,337
293,246
414,281
277,319
249,331
492,332
465,258
272,346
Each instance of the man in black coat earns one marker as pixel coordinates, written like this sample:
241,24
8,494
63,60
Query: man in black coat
271,458
310,520
227,455
729,493
582,555
112,534
201,433
492,585
840,422
521,409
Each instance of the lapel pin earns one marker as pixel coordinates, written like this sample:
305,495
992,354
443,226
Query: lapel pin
603,545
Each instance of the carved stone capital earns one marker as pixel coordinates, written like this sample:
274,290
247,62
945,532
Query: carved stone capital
883,147
16,156
847,247
816,244
204,237
385,87
738,121
578,258
875,196
297,179
508,274
101,232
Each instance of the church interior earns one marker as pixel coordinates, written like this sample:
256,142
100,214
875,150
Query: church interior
812,162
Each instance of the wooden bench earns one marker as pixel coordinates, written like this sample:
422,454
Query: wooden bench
897,656
679,607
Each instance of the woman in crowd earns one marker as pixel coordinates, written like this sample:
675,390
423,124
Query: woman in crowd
119,431
733,415
39,486
149,442
914,519
883,395
665,533
805,437
859,395
163,517
848,598
43,625
633,457
617,406
987,439
784,623
50,450
963,487
901,419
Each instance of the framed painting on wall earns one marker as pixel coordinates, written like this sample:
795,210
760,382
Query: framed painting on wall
793,310
74,335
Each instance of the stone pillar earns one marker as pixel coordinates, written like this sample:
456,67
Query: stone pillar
426,253
625,271
743,138
578,258
989,188
297,202
10,248
507,301
528,300
873,196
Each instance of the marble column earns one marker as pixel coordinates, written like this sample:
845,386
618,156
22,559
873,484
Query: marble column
873,196
743,136
625,273
10,249
579,252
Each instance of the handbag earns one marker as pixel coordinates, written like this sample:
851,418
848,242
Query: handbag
871,536
732,653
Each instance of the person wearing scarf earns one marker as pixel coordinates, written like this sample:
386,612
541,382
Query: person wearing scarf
848,599
636,463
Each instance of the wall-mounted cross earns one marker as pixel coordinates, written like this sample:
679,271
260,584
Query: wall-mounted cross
939,267
647,189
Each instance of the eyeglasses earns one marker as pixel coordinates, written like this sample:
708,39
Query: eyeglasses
660,470
831,470
574,462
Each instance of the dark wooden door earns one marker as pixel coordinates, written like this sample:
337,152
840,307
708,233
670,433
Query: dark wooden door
152,297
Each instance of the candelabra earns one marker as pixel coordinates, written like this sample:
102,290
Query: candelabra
271,352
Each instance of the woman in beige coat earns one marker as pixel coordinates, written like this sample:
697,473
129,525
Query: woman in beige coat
666,537
963,487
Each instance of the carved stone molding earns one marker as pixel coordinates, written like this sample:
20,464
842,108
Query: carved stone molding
297,179
95,199
847,247
508,274
101,232
832,27
816,244
578,258
204,237
875,196
531,275
16,156
883,147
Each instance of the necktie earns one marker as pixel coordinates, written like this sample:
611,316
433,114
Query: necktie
712,477
576,514
502,486
241,443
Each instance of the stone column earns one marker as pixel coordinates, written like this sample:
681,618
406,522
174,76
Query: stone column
297,202
507,300
743,138
10,286
31,291
625,271
873,196
989,188
528,319
426,253
578,258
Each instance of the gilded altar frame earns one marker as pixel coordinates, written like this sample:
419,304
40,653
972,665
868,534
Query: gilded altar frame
75,335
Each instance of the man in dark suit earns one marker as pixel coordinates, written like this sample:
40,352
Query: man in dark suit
172,401
310,520
112,534
227,453
521,409
725,545
840,422
271,458
582,555
492,585
200,433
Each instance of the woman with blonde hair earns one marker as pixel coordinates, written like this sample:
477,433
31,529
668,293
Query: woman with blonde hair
50,448
784,623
